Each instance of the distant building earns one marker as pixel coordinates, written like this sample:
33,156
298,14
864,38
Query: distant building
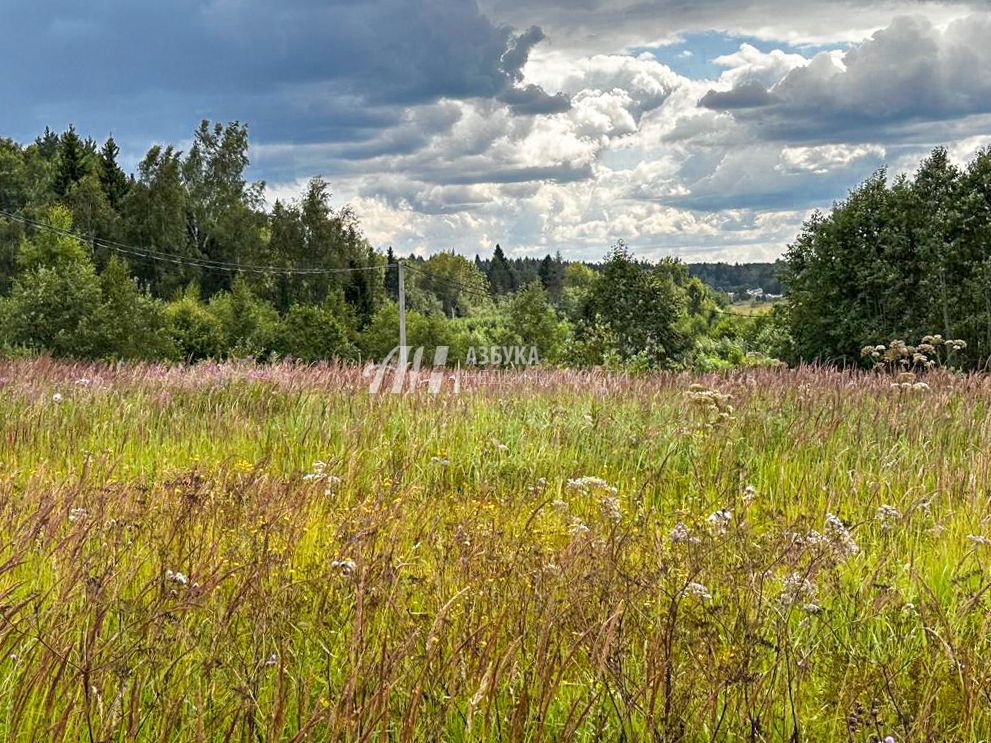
757,293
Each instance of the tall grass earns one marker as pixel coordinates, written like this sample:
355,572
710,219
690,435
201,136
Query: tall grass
545,556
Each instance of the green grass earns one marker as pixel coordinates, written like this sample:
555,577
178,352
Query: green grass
489,600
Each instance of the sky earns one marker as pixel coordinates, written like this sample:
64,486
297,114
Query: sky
703,130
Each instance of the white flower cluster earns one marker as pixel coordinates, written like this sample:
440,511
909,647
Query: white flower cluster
839,537
797,589
681,534
176,577
609,504
346,567
320,474
720,520
697,589
887,516
589,484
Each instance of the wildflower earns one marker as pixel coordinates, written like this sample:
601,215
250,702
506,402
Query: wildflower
57,397
796,588
332,481
77,514
609,504
680,534
82,382
272,660
920,387
887,515
538,487
175,577
749,494
720,520
319,471
347,567
587,484
439,460
812,608
559,505
839,537
978,539
578,528
697,589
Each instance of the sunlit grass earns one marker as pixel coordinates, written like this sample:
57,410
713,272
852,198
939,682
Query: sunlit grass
169,571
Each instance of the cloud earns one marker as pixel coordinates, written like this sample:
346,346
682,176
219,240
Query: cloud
910,71
749,94
227,57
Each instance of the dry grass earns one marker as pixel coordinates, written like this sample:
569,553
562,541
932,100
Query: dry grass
168,571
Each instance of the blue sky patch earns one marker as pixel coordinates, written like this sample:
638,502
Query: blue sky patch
693,55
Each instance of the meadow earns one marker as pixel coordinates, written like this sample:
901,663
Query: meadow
247,553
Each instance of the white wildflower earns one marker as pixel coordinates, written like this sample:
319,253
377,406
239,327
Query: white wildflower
57,397
681,534
77,514
588,484
578,528
609,504
887,516
347,567
749,494
720,520
796,588
839,537
697,589
272,660
176,577
559,505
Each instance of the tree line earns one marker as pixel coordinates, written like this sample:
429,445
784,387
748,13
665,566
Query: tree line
899,258
183,260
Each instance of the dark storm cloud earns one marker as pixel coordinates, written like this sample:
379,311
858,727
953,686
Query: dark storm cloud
532,99
310,61
750,94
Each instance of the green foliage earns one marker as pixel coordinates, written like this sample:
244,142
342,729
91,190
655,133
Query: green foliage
896,260
196,332
54,303
642,306
315,333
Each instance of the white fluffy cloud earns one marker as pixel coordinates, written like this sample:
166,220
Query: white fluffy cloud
724,168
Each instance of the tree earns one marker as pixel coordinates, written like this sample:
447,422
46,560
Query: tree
551,274
72,161
642,307
454,281
154,215
113,180
54,303
535,323
501,276
133,325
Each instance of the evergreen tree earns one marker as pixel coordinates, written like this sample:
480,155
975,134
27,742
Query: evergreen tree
501,276
71,161
112,178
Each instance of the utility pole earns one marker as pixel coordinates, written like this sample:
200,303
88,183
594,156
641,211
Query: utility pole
402,315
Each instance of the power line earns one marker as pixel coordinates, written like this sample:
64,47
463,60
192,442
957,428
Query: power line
477,291
206,263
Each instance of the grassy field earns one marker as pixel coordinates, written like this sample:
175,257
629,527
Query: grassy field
247,553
